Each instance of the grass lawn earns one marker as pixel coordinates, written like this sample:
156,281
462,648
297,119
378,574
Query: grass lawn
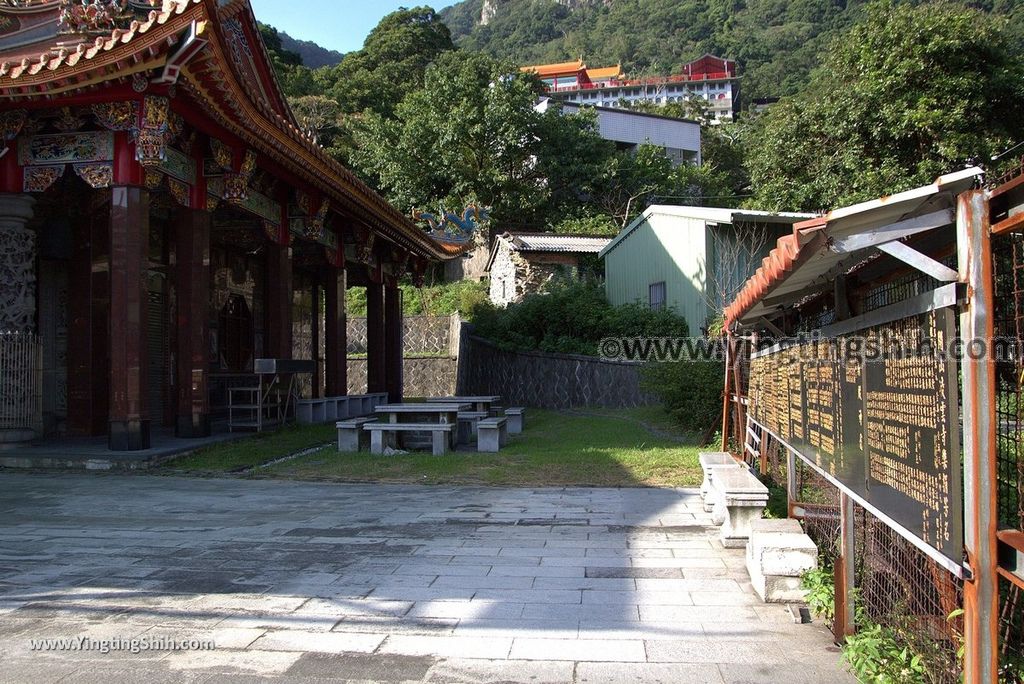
252,451
599,447
622,448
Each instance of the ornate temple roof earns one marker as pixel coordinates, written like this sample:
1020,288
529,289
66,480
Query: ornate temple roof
53,49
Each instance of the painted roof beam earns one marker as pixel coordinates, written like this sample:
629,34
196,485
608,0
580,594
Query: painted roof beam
893,231
193,44
921,262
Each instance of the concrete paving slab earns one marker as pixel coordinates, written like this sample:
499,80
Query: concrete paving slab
297,582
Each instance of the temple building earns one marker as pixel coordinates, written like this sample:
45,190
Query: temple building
712,78
164,222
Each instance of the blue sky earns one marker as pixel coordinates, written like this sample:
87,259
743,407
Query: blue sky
335,24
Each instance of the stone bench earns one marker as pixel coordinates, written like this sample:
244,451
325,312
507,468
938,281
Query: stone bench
744,499
497,411
516,419
467,424
708,460
491,435
778,553
385,434
321,410
351,435
364,404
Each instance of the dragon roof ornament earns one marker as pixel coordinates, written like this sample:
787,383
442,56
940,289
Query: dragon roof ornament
449,227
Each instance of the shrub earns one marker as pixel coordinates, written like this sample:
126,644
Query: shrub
571,318
691,390
438,300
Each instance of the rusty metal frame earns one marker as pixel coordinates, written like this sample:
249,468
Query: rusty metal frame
981,591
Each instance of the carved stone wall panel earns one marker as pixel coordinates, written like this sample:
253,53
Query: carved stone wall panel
17,265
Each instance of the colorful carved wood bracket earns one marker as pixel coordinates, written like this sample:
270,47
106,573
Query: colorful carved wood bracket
40,178
236,185
365,250
401,264
96,175
11,123
117,116
152,137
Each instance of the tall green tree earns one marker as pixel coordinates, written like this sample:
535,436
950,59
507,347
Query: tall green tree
472,134
390,64
908,94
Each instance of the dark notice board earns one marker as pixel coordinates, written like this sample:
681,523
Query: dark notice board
878,411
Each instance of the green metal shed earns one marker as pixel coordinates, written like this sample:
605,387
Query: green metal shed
689,259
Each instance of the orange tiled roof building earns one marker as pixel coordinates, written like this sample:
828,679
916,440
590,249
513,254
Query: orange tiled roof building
710,77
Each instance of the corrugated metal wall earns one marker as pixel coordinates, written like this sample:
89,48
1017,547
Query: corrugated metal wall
663,248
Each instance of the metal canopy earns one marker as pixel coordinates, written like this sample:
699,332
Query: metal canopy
829,246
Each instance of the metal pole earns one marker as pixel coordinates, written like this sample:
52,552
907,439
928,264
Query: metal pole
845,624
981,592
726,395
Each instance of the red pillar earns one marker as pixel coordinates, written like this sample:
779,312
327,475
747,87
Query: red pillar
192,271
129,243
376,364
88,333
393,343
279,302
336,331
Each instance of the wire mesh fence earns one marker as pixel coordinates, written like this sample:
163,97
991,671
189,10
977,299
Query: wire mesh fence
1008,270
897,585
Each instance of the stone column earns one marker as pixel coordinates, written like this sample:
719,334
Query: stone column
129,246
393,343
17,264
336,331
376,359
192,275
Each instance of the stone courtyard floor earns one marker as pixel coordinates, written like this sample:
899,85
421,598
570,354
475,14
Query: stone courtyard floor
383,583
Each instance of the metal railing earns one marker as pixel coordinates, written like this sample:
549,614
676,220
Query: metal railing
21,382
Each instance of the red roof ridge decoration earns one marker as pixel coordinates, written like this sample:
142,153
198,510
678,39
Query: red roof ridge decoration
257,120
53,60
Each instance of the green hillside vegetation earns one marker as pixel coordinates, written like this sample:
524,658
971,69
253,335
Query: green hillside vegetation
775,42
878,97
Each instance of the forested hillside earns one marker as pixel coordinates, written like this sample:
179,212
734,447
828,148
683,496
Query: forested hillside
776,42
314,56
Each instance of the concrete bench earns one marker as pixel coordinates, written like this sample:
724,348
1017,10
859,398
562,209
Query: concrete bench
351,436
321,410
310,411
516,419
491,435
364,404
497,411
713,502
708,459
468,421
385,434
744,499
778,553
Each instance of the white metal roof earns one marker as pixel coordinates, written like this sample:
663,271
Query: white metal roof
708,214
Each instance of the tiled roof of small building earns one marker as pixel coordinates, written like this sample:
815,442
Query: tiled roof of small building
547,242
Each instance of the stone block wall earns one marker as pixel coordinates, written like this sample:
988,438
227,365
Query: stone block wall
430,376
421,335
543,380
